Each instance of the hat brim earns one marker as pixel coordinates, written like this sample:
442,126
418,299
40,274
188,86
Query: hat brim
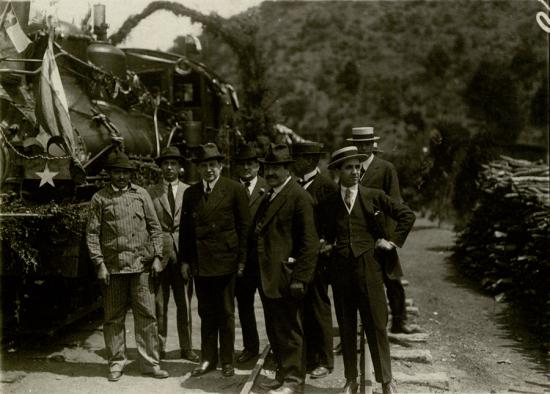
263,161
159,159
245,158
362,139
361,156
217,157
124,167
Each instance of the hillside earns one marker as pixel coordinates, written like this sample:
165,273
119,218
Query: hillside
401,66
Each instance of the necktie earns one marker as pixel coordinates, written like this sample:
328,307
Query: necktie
207,191
171,199
247,186
347,198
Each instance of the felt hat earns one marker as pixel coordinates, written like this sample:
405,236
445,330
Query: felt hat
277,154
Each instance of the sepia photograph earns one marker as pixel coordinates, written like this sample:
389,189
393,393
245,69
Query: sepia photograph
275,196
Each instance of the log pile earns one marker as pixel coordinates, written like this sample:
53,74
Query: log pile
505,245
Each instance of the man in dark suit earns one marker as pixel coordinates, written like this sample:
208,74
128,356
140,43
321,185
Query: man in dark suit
213,233
287,245
317,309
353,221
380,174
247,167
167,197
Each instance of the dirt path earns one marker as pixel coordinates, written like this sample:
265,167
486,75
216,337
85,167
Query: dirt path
476,342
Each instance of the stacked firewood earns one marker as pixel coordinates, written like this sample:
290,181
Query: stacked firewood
506,243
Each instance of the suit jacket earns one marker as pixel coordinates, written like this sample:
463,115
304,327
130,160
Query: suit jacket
285,229
213,231
254,201
321,187
381,174
378,207
169,223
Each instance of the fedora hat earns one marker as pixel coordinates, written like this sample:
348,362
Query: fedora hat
246,152
118,159
362,134
208,151
277,154
307,148
346,153
169,152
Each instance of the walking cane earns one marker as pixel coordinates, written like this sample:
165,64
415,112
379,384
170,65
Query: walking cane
189,314
362,379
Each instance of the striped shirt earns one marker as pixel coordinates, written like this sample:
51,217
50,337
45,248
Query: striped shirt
123,230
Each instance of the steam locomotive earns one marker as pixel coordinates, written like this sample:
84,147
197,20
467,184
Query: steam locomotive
134,99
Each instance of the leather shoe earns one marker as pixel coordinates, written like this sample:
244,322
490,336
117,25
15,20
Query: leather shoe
228,370
403,328
338,349
389,388
350,387
320,372
189,354
205,367
157,373
285,390
273,385
114,376
246,355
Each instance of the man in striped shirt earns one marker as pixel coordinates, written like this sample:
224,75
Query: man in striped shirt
125,243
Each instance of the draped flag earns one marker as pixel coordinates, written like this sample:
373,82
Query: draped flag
52,111
11,33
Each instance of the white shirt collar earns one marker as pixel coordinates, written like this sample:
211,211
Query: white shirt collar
174,183
212,184
116,189
307,177
253,182
368,162
354,191
277,190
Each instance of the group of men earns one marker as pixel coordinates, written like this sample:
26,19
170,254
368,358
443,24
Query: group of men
288,235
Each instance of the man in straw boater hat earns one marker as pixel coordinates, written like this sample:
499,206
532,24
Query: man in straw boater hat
247,167
167,197
287,244
353,221
380,174
124,239
213,235
317,308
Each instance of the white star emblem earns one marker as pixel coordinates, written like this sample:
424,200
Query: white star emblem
46,176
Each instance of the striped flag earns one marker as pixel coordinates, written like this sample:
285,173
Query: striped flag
11,29
52,111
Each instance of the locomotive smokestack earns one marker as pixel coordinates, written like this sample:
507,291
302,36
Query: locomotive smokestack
100,26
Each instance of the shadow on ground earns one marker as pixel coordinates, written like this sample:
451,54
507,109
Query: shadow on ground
516,324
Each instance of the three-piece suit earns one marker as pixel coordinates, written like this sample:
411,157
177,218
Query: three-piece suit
357,272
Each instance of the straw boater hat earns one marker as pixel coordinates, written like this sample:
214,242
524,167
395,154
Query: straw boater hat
362,134
307,148
208,151
346,153
170,152
277,154
118,159
246,152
